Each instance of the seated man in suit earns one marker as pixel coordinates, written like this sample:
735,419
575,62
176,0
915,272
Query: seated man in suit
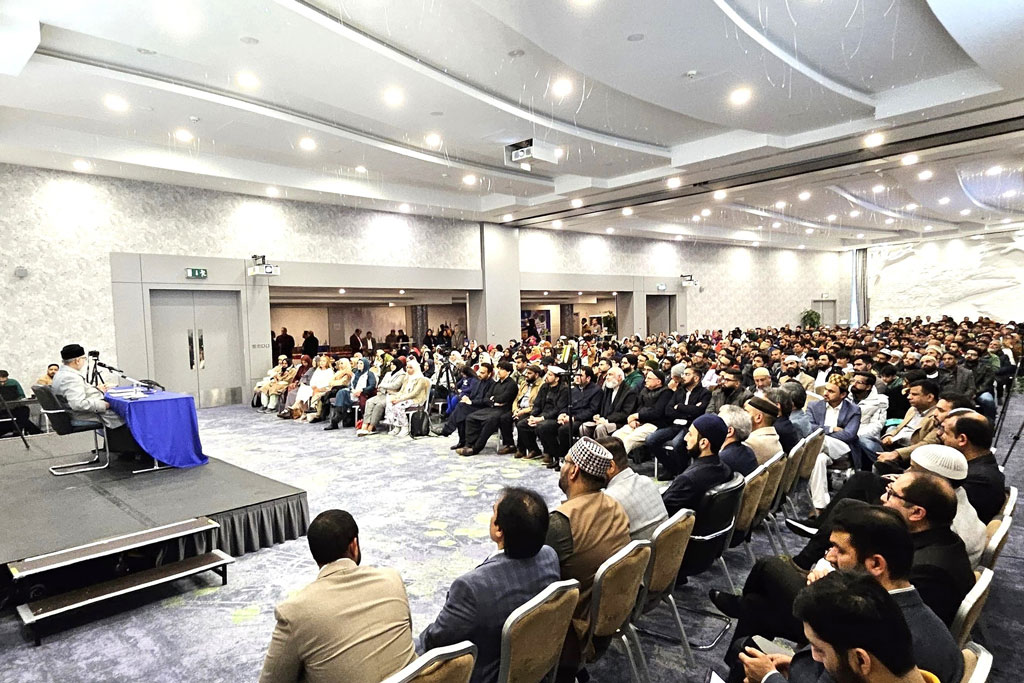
496,414
839,418
351,624
763,439
971,434
474,401
704,440
871,539
856,631
584,402
480,601
618,402
87,402
650,411
689,401
917,428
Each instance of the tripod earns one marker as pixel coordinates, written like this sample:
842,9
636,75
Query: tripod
1001,421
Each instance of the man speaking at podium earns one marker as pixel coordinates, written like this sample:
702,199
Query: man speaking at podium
87,402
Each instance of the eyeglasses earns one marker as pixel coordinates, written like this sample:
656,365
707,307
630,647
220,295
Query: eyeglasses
890,492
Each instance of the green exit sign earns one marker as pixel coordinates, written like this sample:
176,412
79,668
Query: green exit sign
195,273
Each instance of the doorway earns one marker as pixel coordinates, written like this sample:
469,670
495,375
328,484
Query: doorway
827,309
197,344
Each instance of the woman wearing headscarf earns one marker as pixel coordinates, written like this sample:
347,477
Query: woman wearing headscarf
414,393
310,397
390,385
363,381
301,377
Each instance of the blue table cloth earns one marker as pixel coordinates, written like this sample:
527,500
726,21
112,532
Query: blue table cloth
164,423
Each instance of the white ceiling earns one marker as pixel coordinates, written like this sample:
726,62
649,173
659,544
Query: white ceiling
650,101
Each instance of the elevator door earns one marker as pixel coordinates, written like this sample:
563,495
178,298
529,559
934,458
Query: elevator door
197,344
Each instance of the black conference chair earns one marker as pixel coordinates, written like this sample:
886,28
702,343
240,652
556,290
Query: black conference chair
716,517
59,414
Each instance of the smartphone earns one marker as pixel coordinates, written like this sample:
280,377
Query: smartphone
770,647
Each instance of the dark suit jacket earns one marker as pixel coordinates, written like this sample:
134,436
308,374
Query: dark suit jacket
941,572
480,601
789,435
503,394
802,669
739,457
551,402
652,406
687,489
849,420
479,396
985,486
585,402
682,409
935,650
622,407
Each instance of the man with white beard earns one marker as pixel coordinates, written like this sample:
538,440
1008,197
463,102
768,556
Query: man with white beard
618,402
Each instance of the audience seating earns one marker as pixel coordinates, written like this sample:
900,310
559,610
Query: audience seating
998,532
776,466
791,476
716,517
753,488
977,663
788,479
971,607
815,442
668,546
528,650
618,587
1011,502
449,664
57,411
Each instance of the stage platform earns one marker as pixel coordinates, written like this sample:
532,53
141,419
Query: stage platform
42,513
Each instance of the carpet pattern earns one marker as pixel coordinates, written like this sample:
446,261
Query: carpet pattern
422,510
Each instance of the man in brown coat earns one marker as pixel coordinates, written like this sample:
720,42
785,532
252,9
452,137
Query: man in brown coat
585,530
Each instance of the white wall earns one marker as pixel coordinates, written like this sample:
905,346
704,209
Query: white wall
63,226
959,277
739,286
299,318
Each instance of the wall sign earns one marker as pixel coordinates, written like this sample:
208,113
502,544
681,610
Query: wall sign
195,273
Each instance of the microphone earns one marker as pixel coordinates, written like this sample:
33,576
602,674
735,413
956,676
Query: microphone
109,367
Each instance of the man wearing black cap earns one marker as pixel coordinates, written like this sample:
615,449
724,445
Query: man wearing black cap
704,440
87,403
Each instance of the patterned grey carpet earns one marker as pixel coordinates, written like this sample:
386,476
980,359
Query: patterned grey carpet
420,509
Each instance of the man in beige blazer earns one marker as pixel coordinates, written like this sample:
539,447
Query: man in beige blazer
351,624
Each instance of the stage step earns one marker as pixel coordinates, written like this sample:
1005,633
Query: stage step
109,546
34,612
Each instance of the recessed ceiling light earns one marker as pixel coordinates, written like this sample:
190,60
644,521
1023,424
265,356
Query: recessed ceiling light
469,179
800,246
679,238
912,207
977,237
615,293
720,194
776,225
556,224
809,231
994,170
545,293
247,80
393,96
116,103
145,51
695,218
404,208
432,140
740,96
81,165
576,203
1010,193
273,191
559,152
390,305
518,52
854,213
925,175
890,221
627,211
804,196
341,291
780,204
873,140
928,228
705,212
965,212
183,135
831,217
307,143
755,243
1006,220
360,169
401,291
673,183
506,218
579,293
526,166
561,87
878,188
909,159
635,37
944,200
609,230
860,235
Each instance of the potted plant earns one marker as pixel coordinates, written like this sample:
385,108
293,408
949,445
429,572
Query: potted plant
810,318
